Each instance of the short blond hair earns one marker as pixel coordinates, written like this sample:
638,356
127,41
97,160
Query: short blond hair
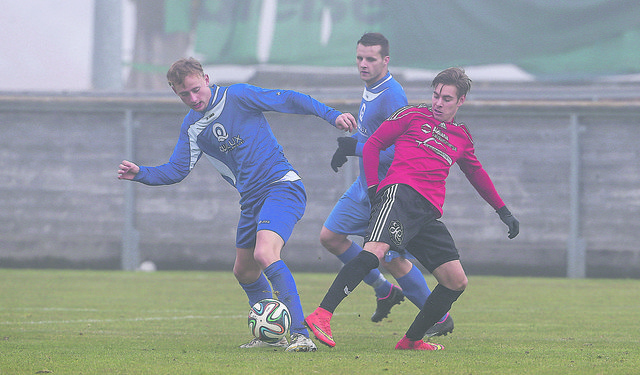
183,68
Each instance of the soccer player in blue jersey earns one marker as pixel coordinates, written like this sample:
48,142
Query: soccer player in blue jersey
381,97
228,127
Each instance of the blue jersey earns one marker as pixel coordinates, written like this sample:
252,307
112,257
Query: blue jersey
235,136
378,103
351,213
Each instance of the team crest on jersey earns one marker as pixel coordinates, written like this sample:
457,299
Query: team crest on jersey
226,144
438,137
219,132
396,232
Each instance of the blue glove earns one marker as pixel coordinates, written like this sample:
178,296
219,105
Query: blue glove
346,147
512,222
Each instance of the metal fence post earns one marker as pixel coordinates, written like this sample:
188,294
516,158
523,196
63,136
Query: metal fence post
130,257
576,247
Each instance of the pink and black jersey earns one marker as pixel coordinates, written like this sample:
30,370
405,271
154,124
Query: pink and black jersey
425,150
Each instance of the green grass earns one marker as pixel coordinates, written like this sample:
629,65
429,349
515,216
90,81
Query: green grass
98,322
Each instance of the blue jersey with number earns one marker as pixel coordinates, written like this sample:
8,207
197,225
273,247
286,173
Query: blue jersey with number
235,136
351,213
378,103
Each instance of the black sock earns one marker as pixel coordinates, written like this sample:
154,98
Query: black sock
348,278
438,303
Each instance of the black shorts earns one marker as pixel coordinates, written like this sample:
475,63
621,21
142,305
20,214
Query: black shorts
404,219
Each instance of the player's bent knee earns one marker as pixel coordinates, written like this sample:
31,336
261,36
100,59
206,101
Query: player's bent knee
335,243
265,259
460,284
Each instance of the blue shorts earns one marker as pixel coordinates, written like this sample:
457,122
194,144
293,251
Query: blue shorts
350,215
277,209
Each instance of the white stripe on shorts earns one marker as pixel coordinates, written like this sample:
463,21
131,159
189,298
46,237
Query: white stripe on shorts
390,198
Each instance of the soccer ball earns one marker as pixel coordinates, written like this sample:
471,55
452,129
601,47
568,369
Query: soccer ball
269,320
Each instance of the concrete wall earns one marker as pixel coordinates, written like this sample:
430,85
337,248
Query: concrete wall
61,204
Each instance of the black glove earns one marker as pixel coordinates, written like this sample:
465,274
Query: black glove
346,147
371,192
512,222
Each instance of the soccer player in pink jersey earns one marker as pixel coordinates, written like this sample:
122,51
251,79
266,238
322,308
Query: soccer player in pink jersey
407,203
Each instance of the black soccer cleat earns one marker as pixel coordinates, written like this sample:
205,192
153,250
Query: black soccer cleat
441,328
385,304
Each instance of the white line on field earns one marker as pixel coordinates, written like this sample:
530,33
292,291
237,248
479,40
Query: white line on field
47,309
187,317
122,320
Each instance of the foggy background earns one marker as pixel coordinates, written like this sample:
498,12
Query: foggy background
48,46
557,132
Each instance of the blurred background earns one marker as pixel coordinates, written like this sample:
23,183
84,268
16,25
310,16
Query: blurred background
554,111
51,46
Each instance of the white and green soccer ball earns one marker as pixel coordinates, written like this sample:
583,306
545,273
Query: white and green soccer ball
269,320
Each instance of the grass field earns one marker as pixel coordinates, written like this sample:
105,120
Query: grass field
97,322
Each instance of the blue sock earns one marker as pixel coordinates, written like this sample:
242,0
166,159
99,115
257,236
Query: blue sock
375,278
257,290
285,289
414,287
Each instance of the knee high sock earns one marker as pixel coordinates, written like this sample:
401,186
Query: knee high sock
437,305
285,289
257,290
374,278
348,279
414,287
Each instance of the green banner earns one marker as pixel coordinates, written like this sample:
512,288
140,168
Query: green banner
567,38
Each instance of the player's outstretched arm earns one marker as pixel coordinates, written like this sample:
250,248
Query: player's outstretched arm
347,122
127,170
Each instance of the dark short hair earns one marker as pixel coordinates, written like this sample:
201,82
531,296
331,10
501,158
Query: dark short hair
454,77
375,39
183,68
